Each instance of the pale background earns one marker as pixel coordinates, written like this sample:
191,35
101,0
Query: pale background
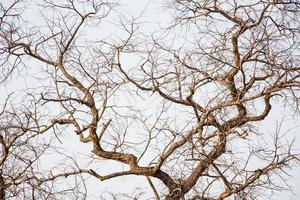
151,14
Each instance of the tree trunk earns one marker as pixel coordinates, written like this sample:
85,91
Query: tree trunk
175,194
2,187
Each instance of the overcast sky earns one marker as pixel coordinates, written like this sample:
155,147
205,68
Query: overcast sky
151,14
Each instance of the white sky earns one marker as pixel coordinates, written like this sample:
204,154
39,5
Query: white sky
152,13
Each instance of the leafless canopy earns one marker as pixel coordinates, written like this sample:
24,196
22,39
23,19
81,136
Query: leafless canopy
181,108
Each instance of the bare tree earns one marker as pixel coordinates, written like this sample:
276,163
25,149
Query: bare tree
184,111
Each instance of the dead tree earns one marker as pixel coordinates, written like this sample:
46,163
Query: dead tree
209,89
